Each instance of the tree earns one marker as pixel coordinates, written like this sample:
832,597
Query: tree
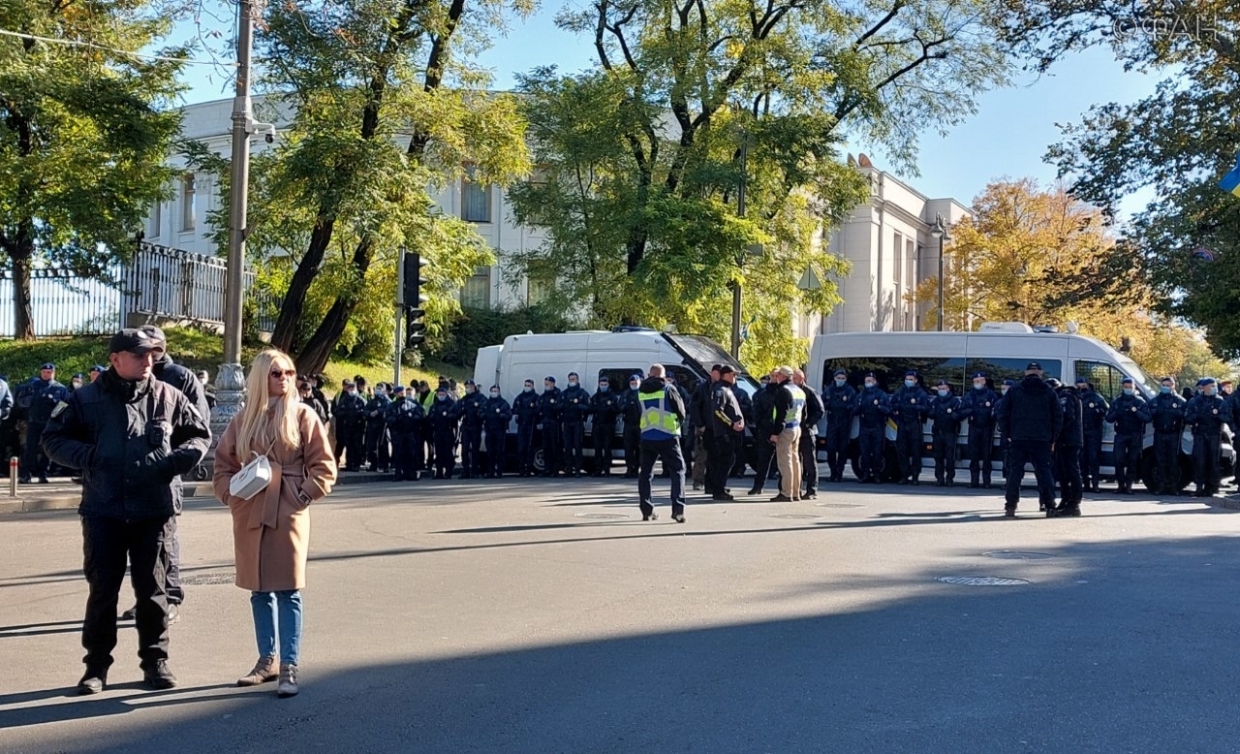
375,130
85,129
643,157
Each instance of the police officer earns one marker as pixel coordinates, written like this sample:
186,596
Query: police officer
1031,419
727,420
699,425
469,413
738,438
38,397
945,415
909,407
549,405
631,411
764,413
814,411
978,406
1206,414
444,422
131,436
376,436
496,415
1005,443
872,409
1094,410
574,408
525,408
306,392
687,434
1167,412
402,418
350,425
1129,413
838,399
1068,449
663,416
605,412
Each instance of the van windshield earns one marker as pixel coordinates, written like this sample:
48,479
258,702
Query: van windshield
706,352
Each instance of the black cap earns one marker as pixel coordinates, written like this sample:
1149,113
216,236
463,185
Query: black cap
838,372
48,365
1033,365
725,369
941,383
99,368
715,367
134,340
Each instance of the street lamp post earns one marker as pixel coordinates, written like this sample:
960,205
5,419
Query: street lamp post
939,231
740,258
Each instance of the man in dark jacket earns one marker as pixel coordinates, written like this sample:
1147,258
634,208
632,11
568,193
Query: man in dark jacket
763,428
945,413
910,405
525,408
549,405
1129,413
574,408
726,421
978,406
131,436
496,416
1068,449
1005,442
604,412
377,436
469,414
662,419
444,421
1093,416
1206,414
305,390
838,399
350,425
631,411
402,419
814,411
37,398
699,423
738,440
1167,415
1031,418
872,409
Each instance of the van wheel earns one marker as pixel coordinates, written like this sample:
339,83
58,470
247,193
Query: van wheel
1149,472
540,460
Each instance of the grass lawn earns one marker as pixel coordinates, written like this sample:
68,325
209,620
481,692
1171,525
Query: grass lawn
20,360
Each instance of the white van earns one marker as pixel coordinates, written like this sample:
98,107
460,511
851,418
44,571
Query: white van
1002,350
616,354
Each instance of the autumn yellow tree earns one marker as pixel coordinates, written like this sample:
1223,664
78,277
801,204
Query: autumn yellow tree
1040,256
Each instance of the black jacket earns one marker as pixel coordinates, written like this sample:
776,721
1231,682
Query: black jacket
1072,433
1167,412
978,406
1030,412
167,370
839,402
1094,412
873,407
38,397
496,413
320,408
699,404
1129,414
131,441
726,410
945,412
576,404
1206,414
350,410
606,407
525,408
469,409
630,408
404,415
549,404
910,405
764,410
814,410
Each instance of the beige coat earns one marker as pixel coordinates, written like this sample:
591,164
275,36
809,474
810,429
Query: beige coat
271,531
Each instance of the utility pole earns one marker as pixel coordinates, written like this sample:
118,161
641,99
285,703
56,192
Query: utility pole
230,380
740,258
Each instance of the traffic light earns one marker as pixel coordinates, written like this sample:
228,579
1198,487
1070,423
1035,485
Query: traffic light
414,298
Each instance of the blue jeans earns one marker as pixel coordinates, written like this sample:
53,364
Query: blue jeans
282,610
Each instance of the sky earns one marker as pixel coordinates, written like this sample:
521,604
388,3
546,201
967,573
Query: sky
1006,138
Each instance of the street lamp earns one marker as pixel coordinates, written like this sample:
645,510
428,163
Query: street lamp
939,231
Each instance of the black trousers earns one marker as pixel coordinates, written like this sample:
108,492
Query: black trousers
908,450
1068,473
837,446
1038,453
981,451
574,438
871,453
766,459
604,438
176,592
377,453
108,543
497,448
667,451
525,447
349,441
945,458
34,463
719,461
632,447
1167,461
445,457
1091,460
809,461
471,449
1207,449
551,445
1127,459
403,444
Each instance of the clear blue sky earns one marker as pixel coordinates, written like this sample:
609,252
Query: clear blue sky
1005,139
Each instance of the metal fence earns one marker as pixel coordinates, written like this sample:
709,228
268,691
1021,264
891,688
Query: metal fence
64,304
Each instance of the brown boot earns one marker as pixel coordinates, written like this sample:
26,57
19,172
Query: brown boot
288,680
264,671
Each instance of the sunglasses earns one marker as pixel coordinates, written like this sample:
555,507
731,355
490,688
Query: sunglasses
278,373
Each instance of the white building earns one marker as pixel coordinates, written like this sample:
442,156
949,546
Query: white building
887,240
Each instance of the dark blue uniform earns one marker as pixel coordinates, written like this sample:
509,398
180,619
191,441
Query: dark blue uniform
1129,413
945,413
549,405
444,421
469,412
978,406
872,409
1068,451
1206,415
838,402
909,407
605,410
1167,412
377,454
1031,418
1093,414
350,416
763,428
808,443
38,397
574,408
525,408
403,417
631,411
496,415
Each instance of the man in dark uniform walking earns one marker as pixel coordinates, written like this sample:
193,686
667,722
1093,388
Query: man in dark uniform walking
132,437
1129,413
1093,412
838,399
1206,414
1031,418
873,408
525,408
700,425
1167,412
910,405
978,406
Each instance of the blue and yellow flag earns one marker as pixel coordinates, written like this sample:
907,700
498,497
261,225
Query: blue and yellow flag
1231,181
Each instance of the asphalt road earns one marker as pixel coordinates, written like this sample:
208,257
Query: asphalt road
544,616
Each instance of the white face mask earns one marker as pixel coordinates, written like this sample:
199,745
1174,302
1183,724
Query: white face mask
494,393
572,383
529,388
979,385
870,384
634,385
840,381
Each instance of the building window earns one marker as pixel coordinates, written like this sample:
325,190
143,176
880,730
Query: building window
477,291
189,192
540,286
156,225
475,199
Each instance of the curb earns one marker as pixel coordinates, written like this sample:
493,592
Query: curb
1230,503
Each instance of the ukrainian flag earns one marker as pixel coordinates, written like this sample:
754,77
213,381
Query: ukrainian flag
1231,181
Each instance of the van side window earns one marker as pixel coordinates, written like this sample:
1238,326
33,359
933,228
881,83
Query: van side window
685,377
618,379
890,372
1106,379
1013,369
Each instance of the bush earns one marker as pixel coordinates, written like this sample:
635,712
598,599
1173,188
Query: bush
476,328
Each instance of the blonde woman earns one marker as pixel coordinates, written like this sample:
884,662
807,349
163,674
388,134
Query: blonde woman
271,531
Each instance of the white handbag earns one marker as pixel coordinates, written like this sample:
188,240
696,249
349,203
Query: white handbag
252,479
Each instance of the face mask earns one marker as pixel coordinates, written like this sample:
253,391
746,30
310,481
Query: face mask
469,388
77,384
979,385
350,391
1208,391
548,386
441,398
1129,391
572,383
634,385
870,384
910,383
1164,390
380,392
529,388
840,381
494,393
942,393
1003,390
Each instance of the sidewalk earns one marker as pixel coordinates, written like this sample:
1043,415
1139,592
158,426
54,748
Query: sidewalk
63,494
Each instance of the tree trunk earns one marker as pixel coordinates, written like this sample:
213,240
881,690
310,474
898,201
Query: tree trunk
23,315
284,336
318,349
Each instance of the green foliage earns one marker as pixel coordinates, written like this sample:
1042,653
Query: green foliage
475,328
84,136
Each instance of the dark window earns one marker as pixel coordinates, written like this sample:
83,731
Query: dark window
618,379
890,372
1013,369
685,377
1105,378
